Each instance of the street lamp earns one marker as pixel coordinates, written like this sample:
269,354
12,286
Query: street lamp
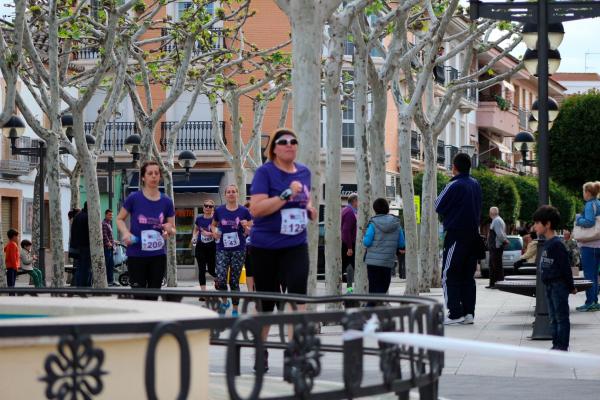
133,146
530,59
524,142
66,121
187,160
533,123
264,144
556,33
552,109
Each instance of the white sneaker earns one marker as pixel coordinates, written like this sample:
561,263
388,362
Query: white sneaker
457,321
468,320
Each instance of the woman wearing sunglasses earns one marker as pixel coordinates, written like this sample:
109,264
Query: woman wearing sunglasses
280,205
204,241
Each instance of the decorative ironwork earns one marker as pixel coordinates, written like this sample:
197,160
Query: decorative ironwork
302,361
193,135
75,371
390,354
353,355
115,134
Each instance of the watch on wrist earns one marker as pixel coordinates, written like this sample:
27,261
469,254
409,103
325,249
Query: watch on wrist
286,194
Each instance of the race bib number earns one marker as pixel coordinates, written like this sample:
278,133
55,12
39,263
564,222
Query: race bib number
231,239
152,240
206,239
293,221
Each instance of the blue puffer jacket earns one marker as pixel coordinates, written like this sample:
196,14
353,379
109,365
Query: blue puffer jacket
590,211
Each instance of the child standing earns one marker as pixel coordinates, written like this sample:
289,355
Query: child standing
556,275
11,257
27,260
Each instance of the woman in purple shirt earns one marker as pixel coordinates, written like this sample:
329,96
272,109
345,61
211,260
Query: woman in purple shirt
280,204
231,224
152,222
204,242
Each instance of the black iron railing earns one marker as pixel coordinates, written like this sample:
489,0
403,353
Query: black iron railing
402,367
523,118
415,145
452,74
439,74
87,53
215,40
193,135
115,134
441,155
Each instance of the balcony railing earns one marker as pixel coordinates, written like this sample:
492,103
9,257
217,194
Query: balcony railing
217,39
471,94
523,118
87,53
415,145
14,167
193,135
441,155
114,134
452,74
439,74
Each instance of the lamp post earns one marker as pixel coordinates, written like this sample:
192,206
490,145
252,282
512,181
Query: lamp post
187,160
524,142
13,129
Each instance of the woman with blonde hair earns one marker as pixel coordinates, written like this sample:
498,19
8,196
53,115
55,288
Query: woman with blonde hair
590,251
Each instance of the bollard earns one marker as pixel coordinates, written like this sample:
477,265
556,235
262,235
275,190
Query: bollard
541,325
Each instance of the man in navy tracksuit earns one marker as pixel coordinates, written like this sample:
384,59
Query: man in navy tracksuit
459,204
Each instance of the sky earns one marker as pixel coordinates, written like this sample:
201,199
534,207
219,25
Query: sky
581,37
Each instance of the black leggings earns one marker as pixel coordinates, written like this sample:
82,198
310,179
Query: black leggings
277,268
146,273
205,257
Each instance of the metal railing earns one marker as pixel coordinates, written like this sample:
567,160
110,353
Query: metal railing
115,134
86,53
441,155
14,167
215,41
523,118
402,367
452,74
439,74
193,135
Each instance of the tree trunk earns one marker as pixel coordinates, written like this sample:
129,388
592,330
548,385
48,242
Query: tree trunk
377,136
88,166
333,240
172,242
436,276
361,147
408,194
55,209
236,132
307,39
74,183
35,221
427,213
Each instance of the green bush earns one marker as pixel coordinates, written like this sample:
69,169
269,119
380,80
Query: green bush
565,202
442,180
528,192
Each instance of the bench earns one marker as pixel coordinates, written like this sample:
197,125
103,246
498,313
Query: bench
529,278
528,288
527,269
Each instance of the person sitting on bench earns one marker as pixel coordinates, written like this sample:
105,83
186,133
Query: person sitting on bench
27,260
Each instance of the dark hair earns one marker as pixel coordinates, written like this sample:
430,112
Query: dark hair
546,214
533,235
12,233
108,211
381,206
144,167
279,132
462,162
25,243
352,198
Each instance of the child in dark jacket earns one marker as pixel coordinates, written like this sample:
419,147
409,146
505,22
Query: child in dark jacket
556,275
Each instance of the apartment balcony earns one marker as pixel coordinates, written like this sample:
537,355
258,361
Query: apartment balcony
441,155
15,167
215,40
502,120
523,119
415,145
114,134
193,135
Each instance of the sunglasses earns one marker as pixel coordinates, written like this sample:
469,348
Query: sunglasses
285,142
208,206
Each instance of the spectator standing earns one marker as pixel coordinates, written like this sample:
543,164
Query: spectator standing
11,257
27,260
590,251
556,275
204,242
109,246
80,241
152,222
497,240
349,230
459,204
383,238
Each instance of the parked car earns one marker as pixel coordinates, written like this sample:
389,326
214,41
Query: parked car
511,254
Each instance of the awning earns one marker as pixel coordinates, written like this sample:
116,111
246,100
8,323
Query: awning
198,182
497,144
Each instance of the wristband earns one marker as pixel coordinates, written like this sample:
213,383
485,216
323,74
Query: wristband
286,194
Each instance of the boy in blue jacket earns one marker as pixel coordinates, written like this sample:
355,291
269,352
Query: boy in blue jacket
556,275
